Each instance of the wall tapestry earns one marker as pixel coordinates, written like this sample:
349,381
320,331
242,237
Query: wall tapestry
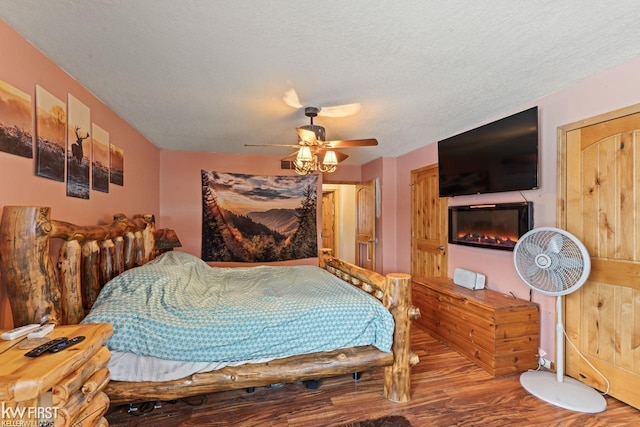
116,164
16,121
100,162
51,130
78,148
256,218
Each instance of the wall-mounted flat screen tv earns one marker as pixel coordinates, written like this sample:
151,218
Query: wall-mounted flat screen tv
496,157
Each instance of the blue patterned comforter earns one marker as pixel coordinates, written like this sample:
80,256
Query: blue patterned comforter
179,308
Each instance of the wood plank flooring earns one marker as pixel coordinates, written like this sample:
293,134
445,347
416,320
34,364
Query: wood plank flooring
447,390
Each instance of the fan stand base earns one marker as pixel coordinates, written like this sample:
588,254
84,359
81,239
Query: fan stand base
569,394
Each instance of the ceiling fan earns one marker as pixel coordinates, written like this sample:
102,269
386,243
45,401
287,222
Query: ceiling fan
314,152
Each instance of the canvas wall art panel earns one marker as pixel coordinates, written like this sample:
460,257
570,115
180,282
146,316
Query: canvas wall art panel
78,148
16,121
100,159
51,132
116,173
258,218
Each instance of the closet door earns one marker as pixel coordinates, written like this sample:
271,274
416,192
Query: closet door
329,221
600,194
428,225
366,225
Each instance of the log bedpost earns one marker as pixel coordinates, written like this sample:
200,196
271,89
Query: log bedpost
397,377
324,254
25,265
69,265
90,273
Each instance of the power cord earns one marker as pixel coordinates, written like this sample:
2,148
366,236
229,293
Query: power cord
588,363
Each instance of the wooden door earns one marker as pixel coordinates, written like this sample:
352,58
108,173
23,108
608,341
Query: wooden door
366,225
600,194
428,225
329,221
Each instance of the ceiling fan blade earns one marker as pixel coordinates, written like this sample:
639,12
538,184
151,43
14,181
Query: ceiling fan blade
352,143
291,99
307,136
340,110
291,157
271,145
339,155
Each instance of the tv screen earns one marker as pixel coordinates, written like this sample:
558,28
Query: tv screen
499,156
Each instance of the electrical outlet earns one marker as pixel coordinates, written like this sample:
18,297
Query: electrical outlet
545,363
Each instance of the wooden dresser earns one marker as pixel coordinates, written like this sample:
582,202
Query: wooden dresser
56,389
498,332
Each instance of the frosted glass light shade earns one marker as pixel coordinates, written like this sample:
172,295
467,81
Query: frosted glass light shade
304,154
330,158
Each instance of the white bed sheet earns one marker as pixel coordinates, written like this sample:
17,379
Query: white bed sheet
132,367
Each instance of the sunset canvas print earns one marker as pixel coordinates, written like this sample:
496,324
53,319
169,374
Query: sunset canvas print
116,174
16,121
51,130
100,161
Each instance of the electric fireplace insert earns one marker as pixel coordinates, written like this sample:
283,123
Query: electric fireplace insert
494,226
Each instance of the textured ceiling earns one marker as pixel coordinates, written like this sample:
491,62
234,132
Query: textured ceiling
210,75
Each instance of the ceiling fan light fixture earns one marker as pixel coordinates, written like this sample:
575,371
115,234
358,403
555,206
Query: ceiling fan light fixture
315,153
330,158
304,154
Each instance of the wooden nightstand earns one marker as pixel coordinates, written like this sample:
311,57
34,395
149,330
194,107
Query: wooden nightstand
59,389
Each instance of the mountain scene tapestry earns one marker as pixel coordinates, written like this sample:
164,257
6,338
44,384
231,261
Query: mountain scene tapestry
258,218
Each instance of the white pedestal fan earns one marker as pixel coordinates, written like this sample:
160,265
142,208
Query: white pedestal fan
554,262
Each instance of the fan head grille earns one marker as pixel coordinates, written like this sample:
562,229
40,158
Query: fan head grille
551,261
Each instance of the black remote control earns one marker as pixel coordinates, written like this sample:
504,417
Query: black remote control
65,344
45,347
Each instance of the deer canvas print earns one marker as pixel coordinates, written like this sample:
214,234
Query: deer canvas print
16,121
78,148
257,218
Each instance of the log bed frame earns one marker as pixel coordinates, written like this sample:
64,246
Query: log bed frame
90,256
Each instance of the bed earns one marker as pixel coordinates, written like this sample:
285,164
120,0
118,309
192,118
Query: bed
93,272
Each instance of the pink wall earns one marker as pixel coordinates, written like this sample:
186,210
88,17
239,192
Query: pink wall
608,91
384,171
23,66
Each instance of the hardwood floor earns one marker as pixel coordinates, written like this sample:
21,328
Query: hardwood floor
448,390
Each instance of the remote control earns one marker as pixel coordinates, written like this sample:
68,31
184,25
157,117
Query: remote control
41,331
44,347
65,344
19,332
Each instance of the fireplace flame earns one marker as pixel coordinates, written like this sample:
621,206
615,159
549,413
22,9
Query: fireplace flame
488,238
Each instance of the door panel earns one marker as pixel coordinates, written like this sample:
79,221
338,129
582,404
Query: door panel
601,188
366,225
329,221
428,225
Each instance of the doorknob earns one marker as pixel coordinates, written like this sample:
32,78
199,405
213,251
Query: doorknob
441,247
